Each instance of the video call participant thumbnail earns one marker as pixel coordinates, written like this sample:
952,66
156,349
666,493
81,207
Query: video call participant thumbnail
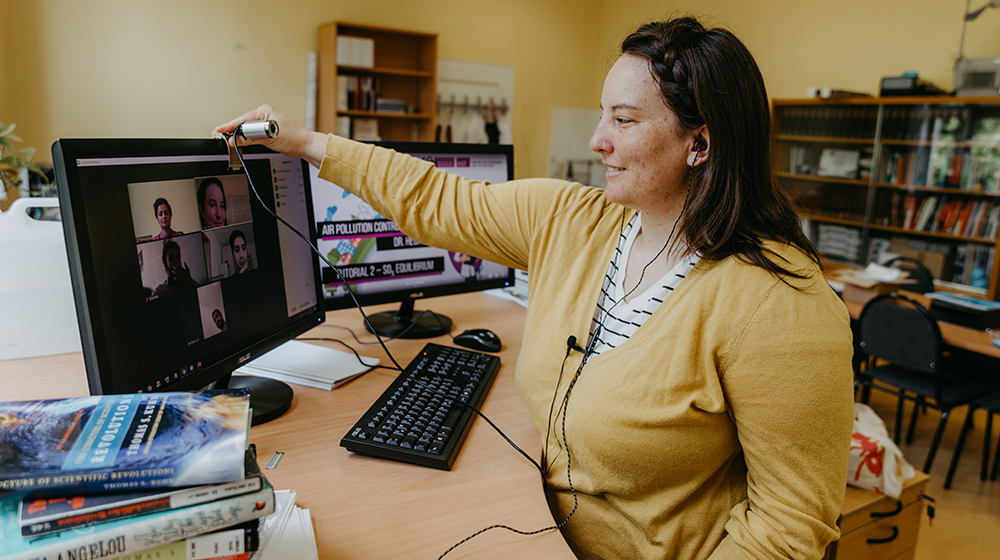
164,217
212,203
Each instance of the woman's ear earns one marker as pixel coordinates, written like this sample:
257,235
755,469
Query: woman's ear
699,147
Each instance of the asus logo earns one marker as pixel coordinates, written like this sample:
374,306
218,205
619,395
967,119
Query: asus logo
417,295
243,358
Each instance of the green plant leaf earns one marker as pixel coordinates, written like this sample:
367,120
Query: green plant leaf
15,161
6,143
8,129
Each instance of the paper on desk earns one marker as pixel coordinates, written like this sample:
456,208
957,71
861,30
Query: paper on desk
273,526
878,273
288,532
298,539
308,364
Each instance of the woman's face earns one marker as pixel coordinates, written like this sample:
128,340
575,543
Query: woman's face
640,140
163,217
213,210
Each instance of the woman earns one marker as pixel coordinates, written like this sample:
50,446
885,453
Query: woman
212,203
708,414
164,216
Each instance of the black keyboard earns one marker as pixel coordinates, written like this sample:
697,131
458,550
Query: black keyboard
419,419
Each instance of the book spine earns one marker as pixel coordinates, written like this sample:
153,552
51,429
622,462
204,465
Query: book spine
190,497
127,537
176,551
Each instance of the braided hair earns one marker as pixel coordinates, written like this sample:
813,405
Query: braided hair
707,77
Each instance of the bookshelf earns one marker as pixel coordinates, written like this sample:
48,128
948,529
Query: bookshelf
916,176
382,80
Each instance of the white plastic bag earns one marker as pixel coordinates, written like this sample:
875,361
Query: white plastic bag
876,463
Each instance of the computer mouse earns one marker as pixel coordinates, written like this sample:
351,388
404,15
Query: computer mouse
479,339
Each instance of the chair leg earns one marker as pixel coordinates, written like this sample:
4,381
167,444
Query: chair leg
986,446
953,466
913,419
936,441
996,461
898,429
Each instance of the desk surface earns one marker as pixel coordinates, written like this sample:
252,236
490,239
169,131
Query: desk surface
368,508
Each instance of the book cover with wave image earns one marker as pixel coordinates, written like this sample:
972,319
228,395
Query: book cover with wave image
112,443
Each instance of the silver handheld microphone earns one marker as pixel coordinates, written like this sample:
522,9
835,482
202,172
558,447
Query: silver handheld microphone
258,130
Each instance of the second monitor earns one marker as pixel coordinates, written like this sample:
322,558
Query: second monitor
383,265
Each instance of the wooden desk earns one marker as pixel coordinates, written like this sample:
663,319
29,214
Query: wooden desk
365,508
876,527
953,335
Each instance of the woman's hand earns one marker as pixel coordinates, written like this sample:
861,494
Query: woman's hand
292,139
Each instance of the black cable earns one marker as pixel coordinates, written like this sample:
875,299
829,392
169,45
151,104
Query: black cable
358,305
315,249
348,346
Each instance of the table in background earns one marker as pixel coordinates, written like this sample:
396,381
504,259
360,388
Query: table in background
366,508
954,335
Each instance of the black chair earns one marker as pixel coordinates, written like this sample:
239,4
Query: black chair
918,271
991,404
904,341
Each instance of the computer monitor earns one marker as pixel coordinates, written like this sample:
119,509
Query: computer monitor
179,273
382,265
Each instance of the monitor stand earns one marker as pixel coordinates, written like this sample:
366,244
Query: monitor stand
269,398
407,324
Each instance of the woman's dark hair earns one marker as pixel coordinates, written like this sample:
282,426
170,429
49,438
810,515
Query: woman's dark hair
161,202
708,77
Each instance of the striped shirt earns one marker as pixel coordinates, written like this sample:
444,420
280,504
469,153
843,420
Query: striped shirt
615,320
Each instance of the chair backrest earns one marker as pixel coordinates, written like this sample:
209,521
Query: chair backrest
895,328
918,271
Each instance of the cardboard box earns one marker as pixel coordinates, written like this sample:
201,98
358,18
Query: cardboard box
939,263
859,289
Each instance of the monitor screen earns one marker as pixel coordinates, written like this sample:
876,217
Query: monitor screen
179,274
383,265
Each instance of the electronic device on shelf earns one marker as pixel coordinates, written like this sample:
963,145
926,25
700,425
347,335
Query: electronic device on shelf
383,265
419,418
179,274
977,76
908,85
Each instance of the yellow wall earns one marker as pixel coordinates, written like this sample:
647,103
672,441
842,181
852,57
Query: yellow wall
158,68
126,68
843,44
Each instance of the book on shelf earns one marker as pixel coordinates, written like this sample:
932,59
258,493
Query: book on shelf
355,51
46,515
909,210
962,219
964,301
360,92
925,212
130,535
113,443
365,130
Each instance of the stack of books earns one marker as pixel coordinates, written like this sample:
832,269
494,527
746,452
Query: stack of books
171,475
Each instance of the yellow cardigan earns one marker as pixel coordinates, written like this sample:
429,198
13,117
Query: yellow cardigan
720,429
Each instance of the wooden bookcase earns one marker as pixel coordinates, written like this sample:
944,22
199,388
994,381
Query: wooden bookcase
915,176
405,68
